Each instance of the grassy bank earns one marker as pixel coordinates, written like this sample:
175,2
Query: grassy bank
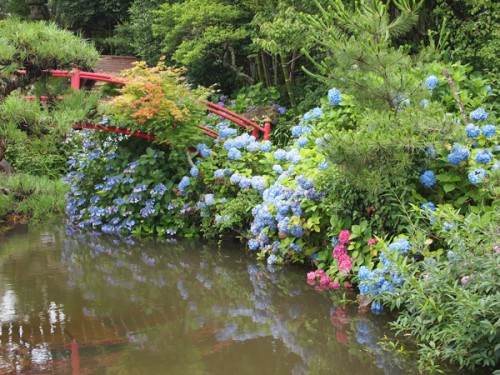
24,197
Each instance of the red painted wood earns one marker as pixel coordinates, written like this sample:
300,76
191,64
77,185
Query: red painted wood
76,76
137,134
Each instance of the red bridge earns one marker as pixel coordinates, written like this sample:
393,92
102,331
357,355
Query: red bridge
76,76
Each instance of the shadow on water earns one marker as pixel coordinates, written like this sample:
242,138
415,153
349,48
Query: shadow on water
87,303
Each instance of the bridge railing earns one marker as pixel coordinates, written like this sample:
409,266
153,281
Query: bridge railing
77,75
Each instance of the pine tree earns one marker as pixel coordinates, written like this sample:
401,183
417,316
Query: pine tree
358,52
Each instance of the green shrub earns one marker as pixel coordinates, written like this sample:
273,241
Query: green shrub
34,197
449,302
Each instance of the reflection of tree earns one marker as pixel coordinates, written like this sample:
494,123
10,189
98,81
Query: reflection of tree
134,305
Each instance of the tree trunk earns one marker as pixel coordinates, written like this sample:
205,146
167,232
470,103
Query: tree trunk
288,83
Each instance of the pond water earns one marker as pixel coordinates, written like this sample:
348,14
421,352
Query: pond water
75,302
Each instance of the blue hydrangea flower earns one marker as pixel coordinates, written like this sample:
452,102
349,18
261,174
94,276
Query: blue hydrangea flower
458,154
401,245
297,231
148,210
489,130
316,112
185,181
200,147
302,142
280,109
428,179
245,183
305,183
209,199
205,153
334,96
424,103
128,224
253,244
234,154
278,168
279,154
472,131
258,183
428,206
94,154
296,248
194,171
377,308
323,165
235,178
479,115
119,201
273,259
159,189
219,173
227,132
477,176
387,287
265,146
293,156
95,199
134,198
253,147
297,131
495,166
483,156
431,82
139,188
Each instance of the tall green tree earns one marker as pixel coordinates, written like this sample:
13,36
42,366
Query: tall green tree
282,33
94,19
359,52
201,33
474,31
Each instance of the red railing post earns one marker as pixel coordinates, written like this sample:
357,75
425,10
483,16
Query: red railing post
255,133
267,129
75,79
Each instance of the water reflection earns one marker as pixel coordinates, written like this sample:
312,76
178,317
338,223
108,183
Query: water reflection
80,302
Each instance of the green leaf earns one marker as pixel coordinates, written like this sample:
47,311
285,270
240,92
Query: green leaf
449,187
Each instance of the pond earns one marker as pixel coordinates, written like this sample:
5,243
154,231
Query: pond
75,302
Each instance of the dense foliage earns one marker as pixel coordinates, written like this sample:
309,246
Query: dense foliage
35,47
390,179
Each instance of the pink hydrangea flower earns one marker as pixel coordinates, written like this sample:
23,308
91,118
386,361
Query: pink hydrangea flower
334,285
372,241
344,237
345,263
311,278
325,280
339,250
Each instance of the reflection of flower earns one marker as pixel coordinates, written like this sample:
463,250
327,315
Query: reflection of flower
339,317
342,337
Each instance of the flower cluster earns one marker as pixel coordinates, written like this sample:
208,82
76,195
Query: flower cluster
428,179
321,281
458,154
340,252
383,279
334,96
431,82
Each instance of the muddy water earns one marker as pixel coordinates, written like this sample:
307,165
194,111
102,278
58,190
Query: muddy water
75,302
